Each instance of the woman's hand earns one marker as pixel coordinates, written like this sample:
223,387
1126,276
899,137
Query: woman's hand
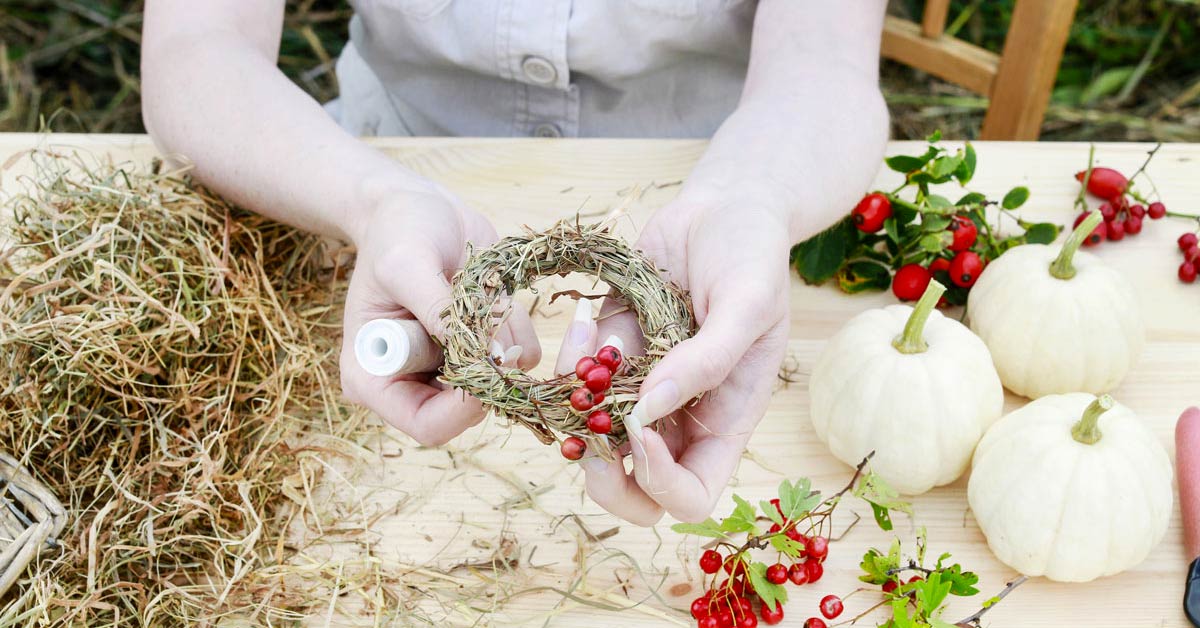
408,248
734,263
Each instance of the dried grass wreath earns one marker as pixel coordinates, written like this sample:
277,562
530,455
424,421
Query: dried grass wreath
481,302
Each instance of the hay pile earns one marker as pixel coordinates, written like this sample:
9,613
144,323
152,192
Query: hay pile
162,354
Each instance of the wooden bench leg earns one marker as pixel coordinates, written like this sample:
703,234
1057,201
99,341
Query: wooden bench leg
1028,66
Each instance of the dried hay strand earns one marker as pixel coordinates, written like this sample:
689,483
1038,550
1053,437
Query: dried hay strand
161,359
481,299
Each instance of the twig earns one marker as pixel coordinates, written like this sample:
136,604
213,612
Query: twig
973,620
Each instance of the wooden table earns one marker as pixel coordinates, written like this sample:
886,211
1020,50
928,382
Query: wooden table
437,509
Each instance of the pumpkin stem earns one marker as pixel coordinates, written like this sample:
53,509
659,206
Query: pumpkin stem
1061,267
912,339
1087,430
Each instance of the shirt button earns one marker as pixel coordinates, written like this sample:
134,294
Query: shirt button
539,70
547,130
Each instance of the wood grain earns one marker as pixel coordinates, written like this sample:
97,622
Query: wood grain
443,507
933,17
944,57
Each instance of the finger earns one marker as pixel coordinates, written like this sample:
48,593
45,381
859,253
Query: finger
617,492
430,416
423,290
623,325
521,330
688,495
580,339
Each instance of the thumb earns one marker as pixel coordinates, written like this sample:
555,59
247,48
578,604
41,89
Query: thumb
422,288
694,366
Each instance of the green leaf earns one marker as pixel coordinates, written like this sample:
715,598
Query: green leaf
909,163
971,198
770,511
707,528
797,498
883,517
863,276
892,230
966,169
932,223
939,202
783,544
943,167
819,257
1106,84
770,593
934,137
904,212
936,242
962,583
931,591
935,622
900,616
1041,233
1015,198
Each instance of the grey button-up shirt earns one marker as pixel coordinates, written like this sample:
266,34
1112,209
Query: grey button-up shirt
544,68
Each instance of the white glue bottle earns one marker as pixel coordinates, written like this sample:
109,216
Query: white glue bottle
386,347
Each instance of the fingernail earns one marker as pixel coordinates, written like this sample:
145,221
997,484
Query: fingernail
614,341
657,403
497,352
513,354
581,326
633,424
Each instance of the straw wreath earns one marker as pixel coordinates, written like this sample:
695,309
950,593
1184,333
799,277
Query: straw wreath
481,302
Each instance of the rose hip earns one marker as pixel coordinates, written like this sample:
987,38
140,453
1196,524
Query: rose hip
939,264
1105,183
871,212
600,422
572,448
831,606
598,379
910,282
585,364
582,399
610,357
1097,235
964,231
965,269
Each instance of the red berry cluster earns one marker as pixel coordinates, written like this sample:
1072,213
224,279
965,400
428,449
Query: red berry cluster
731,603
1191,257
1122,210
596,373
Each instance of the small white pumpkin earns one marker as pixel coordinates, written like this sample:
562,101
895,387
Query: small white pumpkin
915,387
1057,321
1071,487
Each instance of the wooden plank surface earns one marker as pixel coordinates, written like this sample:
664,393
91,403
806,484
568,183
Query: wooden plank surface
441,508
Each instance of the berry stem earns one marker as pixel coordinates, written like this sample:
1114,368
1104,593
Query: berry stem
1061,267
1080,200
912,339
973,620
1087,430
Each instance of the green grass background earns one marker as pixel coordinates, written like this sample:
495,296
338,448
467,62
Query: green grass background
1131,69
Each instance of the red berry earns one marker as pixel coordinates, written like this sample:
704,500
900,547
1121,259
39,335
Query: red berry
748,621
1156,210
599,379
725,618
572,448
778,508
775,527
710,561
1192,255
582,399
1137,209
610,357
915,579
890,586
1104,182
600,422
814,570
965,269
964,231
734,567
710,621
910,282
772,616
1187,241
746,607
938,264
777,573
1107,212
813,622
871,212
1133,225
585,364
817,548
1097,235
1115,230
597,399
831,606
700,607
1187,272
1119,202
797,574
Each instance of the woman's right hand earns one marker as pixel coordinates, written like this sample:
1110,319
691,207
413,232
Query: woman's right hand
409,247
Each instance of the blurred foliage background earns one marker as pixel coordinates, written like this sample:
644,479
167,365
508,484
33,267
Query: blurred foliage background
1131,69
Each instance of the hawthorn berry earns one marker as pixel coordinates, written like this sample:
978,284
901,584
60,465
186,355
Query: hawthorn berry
1187,272
817,548
599,379
745,606
777,573
710,561
831,606
600,422
585,364
797,574
1187,241
700,607
1192,255
725,618
778,507
1105,183
964,231
871,212
813,622
597,399
890,586
709,621
772,616
582,399
1156,210
734,566
910,282
610,357
748,621
965,269
814,570
1107,212
1137,209
775,527
572,448
1133,225
915,579
939,264
795,535
1115,230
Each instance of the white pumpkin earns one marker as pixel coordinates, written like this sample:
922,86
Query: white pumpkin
1057,322
1071,487
915,387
